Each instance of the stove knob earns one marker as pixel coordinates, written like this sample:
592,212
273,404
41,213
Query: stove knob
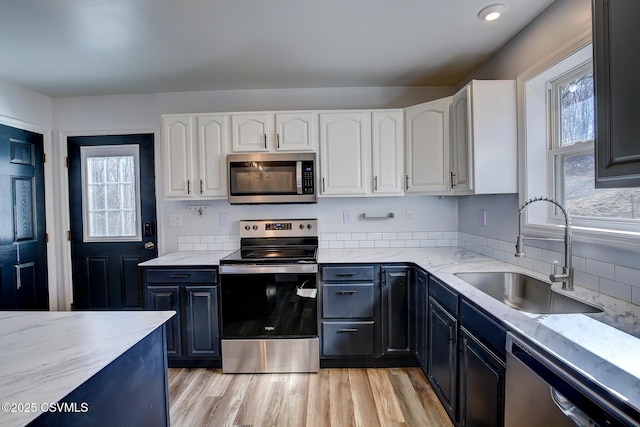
255,227
309,226
301,226
246,227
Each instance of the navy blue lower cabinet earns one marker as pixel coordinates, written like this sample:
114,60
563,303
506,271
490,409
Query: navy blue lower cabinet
130,391
193,336
419,315
482,376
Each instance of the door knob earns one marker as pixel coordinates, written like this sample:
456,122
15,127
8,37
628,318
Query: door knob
149,245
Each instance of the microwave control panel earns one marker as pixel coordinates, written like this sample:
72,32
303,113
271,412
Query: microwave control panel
308,186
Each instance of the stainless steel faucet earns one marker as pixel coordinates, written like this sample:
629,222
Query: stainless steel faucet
566,277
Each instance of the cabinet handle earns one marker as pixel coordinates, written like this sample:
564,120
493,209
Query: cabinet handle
278,139
265,140
323,184
347,274
406,181
188,186
346,292
201,186
453,175
180,276
348,330
375,183
451,333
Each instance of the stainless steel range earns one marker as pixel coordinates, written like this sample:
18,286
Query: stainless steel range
268,298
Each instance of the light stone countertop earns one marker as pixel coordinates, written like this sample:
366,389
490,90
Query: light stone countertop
603,346
45,355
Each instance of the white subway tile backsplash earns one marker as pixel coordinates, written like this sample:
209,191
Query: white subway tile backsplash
627,275
493,243
525,262
327,236
214,246
396,244
185,246
412,243
336,244
223,239
343,236
192,239
351,244
381,243
367,243
579,263
601,269
615,289
635,295
451,235
182,239
200,246
483,241
542,267
358,236
231,246
552,256
389,236
405,236
434,235
587,280
374,236
419,235
427,243
207,239
533,252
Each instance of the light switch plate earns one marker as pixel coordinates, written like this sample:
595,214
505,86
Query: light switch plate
175,220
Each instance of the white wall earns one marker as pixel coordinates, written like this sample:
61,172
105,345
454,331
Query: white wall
24,105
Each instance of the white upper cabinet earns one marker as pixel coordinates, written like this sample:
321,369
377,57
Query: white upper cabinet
274,131
212,154
250,131
177,149
193,154
427,147
296,131
387,148
484,138
345,153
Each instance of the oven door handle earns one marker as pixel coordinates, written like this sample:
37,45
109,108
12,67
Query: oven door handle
266,269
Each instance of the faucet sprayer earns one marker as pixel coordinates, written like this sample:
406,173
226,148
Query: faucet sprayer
566,277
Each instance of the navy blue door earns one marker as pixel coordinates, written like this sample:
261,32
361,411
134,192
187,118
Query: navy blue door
113,218
23,245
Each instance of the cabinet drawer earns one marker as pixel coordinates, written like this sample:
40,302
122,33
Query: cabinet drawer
347,300
445,297
489,331
348,273
181,276
347,338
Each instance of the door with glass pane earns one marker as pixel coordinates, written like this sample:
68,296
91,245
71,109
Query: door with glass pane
112,217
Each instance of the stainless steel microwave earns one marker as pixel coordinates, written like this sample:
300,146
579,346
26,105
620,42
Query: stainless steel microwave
272,178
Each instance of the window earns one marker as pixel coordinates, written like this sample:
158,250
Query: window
557,116
110,190
571,106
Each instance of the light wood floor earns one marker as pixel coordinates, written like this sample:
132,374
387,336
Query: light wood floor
331,398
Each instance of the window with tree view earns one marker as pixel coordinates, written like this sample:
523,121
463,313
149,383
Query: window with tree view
571,153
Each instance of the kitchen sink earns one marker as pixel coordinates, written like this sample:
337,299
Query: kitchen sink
525,293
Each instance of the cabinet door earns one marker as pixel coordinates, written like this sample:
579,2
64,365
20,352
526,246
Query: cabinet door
249,131
387,145
616,61
345,146
482,377
420,310
395,303
201,309
296,131
427,147
212,152
177,156
442,355
461,141
167,298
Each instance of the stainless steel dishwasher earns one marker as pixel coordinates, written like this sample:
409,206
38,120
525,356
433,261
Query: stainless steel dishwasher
541,391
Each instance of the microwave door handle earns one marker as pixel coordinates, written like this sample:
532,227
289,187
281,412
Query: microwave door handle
299,177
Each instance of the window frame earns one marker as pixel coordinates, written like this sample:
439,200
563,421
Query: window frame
541,219
87,152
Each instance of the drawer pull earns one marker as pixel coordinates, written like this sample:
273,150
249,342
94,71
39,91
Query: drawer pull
180,276
348,330
346,292
347,274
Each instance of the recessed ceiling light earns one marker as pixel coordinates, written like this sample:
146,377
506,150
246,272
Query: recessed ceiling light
491,12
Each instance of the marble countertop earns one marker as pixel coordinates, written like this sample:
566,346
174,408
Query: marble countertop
603,346
46,355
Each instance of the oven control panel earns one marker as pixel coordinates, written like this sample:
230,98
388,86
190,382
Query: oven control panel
279,228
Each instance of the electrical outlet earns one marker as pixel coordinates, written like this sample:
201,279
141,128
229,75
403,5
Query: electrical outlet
224,219
410,216
483,217
346,217
175,220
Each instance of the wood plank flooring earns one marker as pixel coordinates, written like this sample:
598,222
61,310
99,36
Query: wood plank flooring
331,398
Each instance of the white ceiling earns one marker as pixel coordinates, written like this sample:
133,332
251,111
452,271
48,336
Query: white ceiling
66,48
